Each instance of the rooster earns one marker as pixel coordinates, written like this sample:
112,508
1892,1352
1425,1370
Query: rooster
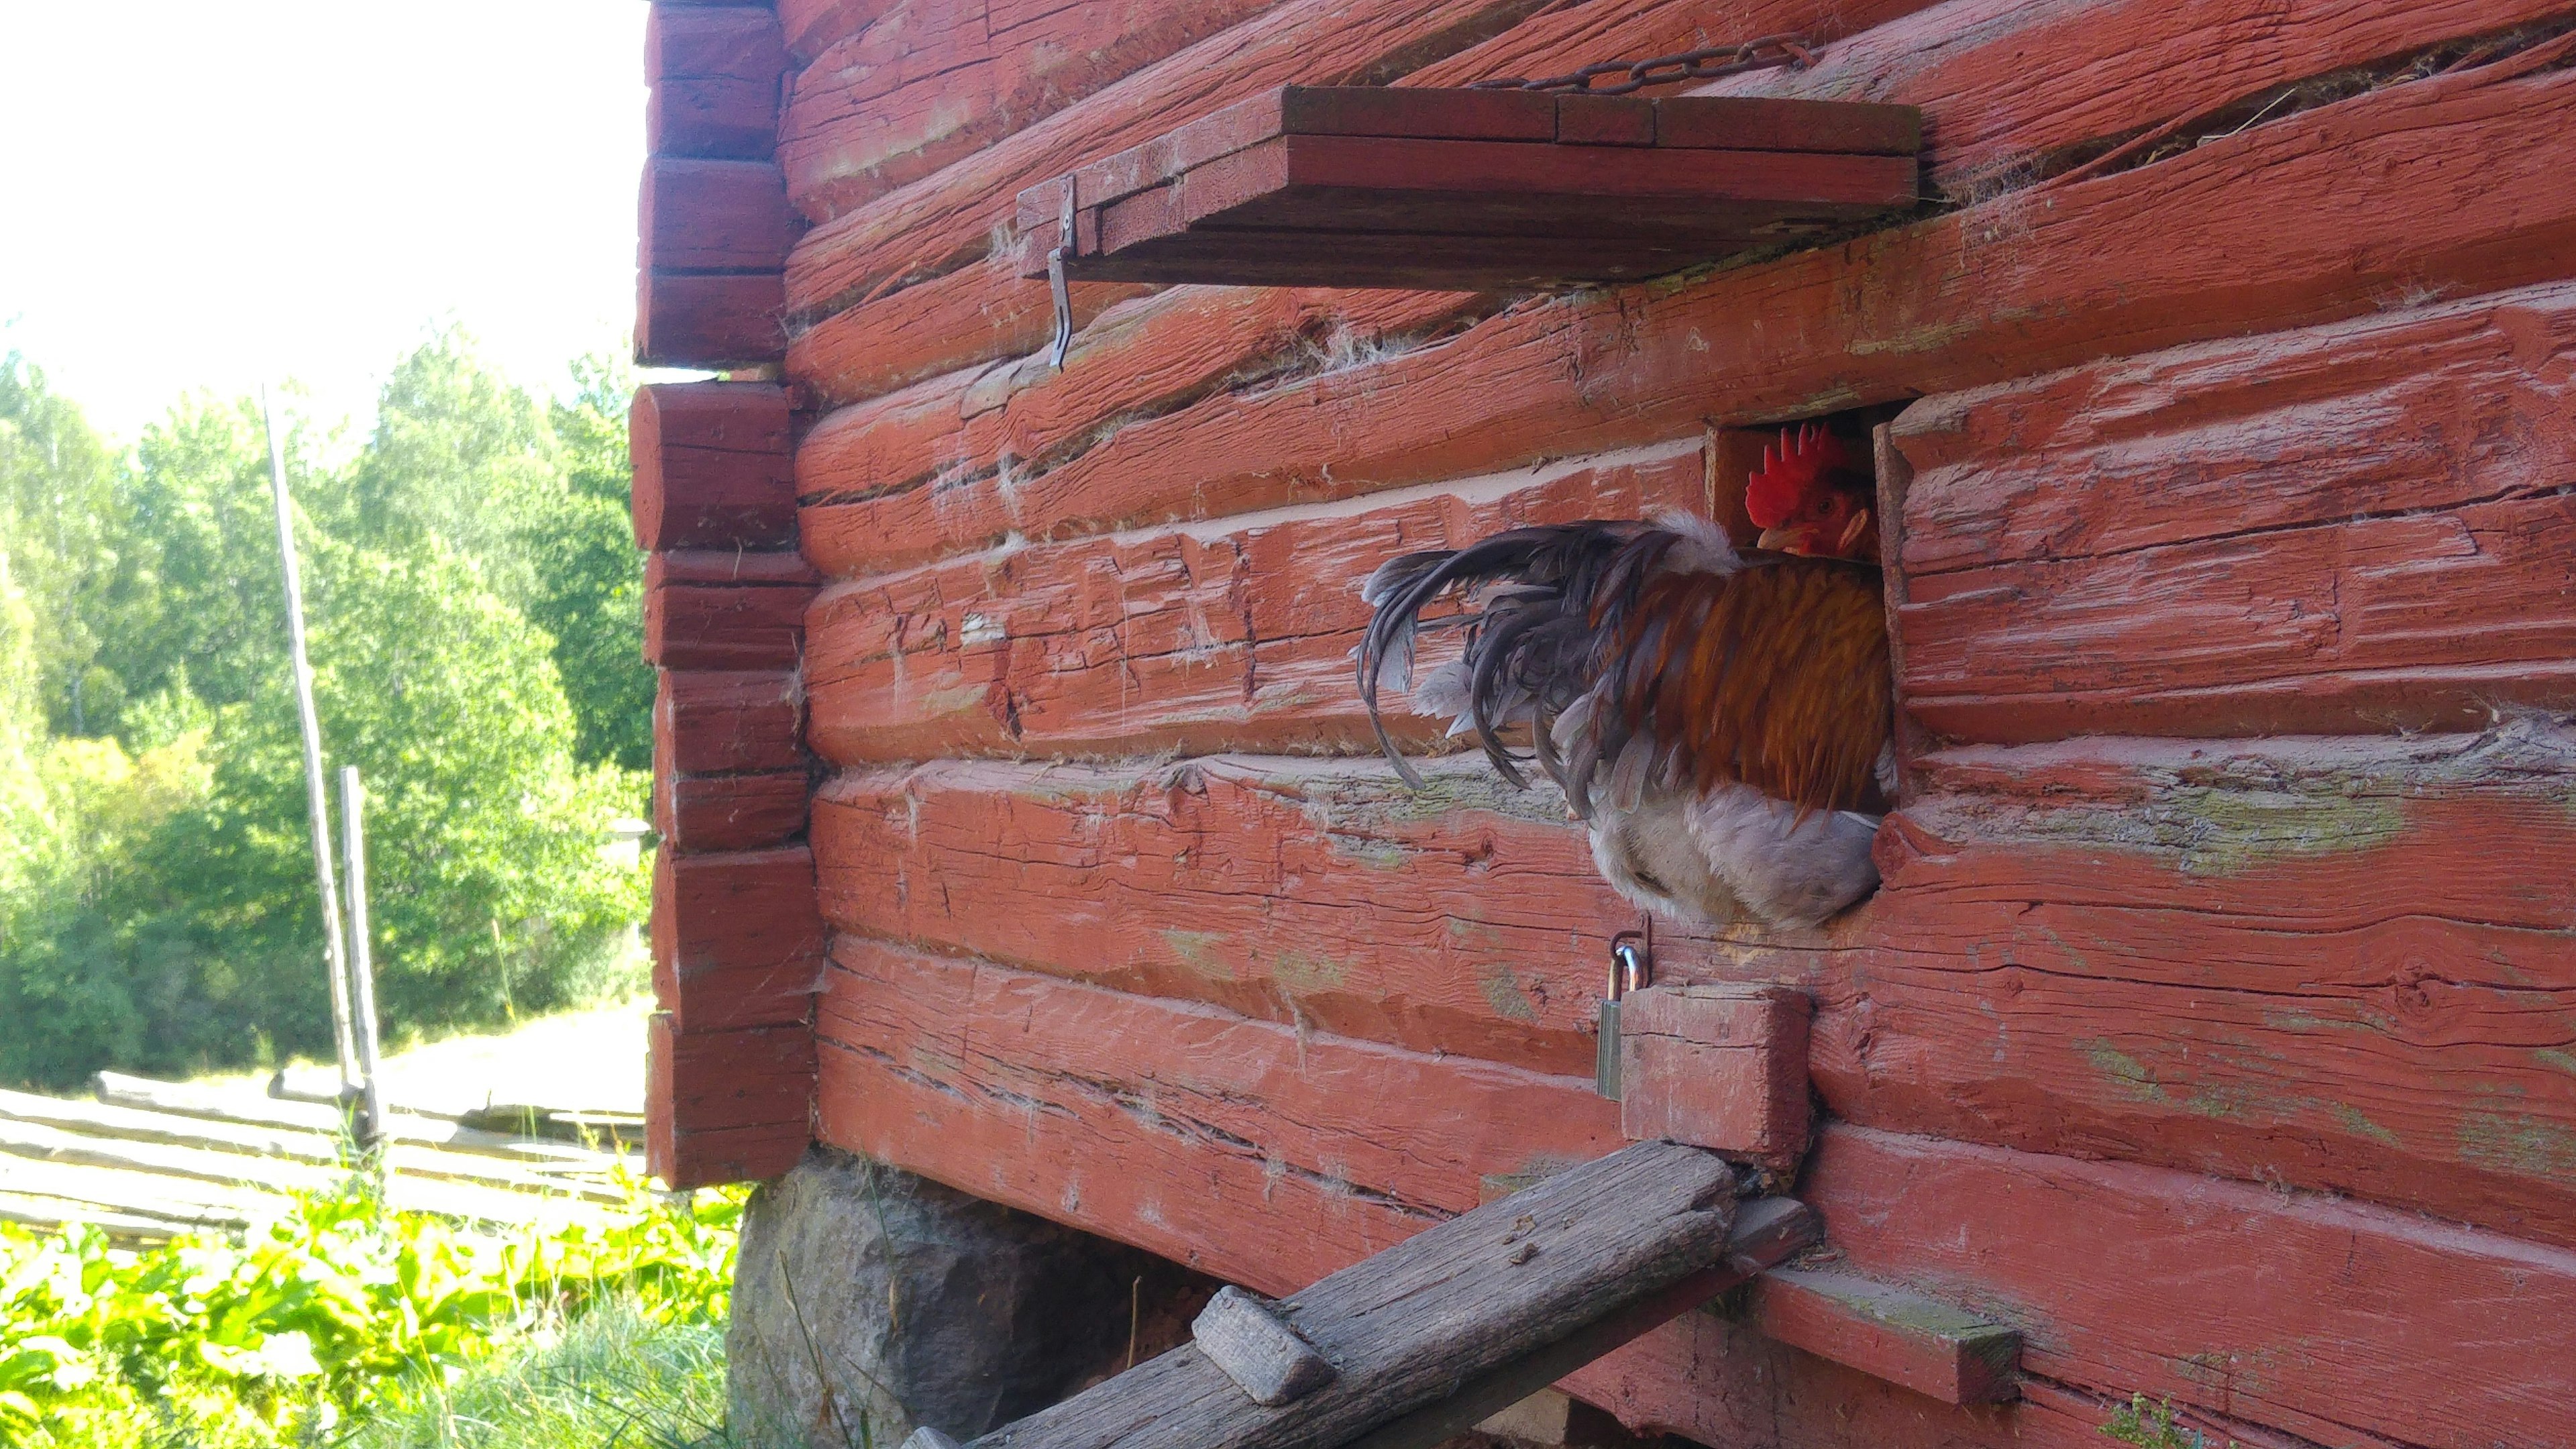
1718,718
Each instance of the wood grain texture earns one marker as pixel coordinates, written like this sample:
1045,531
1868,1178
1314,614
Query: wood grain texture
1452,1304
2012,87
713,216
1250,1341
714,321
2434,185
1202,1147
713,466
927,230
716,76
1246,1149
736,941
931,84
2350,528
713,722
861,467
726,1106
865,348
700,814
1888,1332
1719,1067
1194,637
2334,964
705,609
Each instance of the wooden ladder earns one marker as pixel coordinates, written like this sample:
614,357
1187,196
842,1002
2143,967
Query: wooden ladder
1447,1328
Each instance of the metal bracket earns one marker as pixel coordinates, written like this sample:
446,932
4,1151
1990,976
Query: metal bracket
1064,239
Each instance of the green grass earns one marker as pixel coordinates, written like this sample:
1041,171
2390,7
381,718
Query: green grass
615,1379
340,1323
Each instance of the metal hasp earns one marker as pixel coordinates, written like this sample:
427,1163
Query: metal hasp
1461,1320
1471,189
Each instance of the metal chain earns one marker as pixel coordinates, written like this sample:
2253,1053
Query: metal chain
1706,63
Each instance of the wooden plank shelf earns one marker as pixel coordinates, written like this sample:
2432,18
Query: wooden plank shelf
1371,186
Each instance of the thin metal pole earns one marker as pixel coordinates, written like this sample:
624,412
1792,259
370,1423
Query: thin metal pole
317,794
362,965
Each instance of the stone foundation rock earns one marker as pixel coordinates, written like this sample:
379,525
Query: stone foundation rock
923,1305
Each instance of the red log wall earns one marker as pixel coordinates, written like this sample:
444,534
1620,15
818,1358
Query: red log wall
2216,1025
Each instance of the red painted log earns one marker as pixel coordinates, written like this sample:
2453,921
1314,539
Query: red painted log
1247,1149
716,76
1239,1148
893,103
697,815
728,1106
712,321
725,721
813,26
736,940
974,314
713,610
712,466
718,216
1198,638
2329,964
2439,183
2343,529
1722,1067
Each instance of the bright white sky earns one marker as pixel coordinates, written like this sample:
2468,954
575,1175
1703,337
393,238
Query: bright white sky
203,196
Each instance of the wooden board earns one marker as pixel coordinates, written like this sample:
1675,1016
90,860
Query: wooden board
1371,186
1889,1332
699,814
1722,1067
726,611
713,216
1455,1304
709,319
711,721
1971,299
2349,528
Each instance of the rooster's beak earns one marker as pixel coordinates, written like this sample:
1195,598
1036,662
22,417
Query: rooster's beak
1783,540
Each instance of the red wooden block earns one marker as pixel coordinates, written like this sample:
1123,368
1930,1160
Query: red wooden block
710,321
697,814
1762,123
1889,1332
730,1106
716,76
1605,120
1722,1067
737,940
703,215
721,721
713,467
704,628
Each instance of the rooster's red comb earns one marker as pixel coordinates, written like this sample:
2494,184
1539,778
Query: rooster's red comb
1803,456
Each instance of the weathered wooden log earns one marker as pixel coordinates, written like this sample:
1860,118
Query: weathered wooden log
711,814
709,319
1450,1307
216,1104
715,609
712,467
727,1106
713,216
724,721
716,74
737,940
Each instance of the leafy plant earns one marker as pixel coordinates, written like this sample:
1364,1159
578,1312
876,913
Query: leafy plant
2152,1426
330,1316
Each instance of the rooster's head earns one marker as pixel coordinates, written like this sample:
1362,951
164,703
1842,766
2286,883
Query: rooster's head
1811,496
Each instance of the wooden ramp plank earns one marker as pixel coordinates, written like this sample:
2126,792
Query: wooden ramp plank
1494,1302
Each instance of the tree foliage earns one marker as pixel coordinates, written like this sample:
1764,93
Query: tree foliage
475,652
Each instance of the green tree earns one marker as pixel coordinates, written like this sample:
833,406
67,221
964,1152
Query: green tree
59,505
590,593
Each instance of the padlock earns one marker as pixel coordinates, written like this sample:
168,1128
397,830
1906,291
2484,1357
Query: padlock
1632,967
